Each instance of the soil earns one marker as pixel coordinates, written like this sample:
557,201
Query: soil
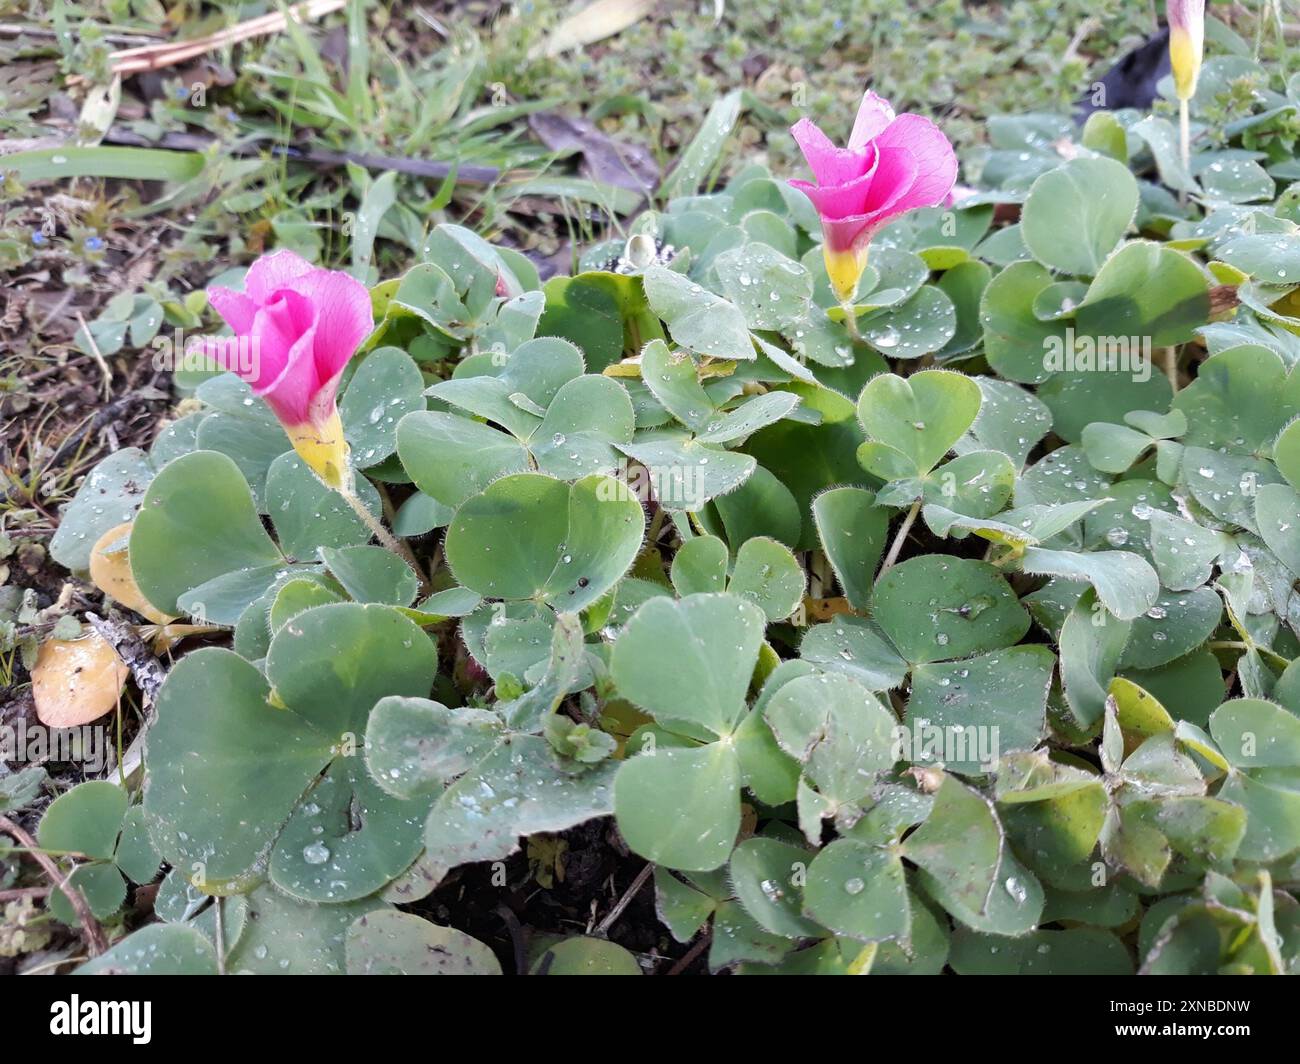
520,919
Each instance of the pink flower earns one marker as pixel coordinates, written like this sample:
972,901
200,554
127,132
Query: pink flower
1186,43
302,325
891,165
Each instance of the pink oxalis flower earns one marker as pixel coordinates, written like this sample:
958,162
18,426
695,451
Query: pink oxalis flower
302,324
892,164
1186,43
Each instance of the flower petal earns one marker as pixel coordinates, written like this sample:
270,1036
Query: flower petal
936,163
874,116
897,173
837,201
234,354
235,307
272,272
284,336
345,317
830,165
1185,13
891,183
846,234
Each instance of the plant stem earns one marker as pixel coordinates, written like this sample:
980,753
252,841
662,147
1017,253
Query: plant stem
691,955
851,320
656,524
1185,141
220,937
511,921
18,893
1171,367
628,895
397,546
90,929
900,536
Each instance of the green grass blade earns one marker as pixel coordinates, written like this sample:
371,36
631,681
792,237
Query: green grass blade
703,152
139,164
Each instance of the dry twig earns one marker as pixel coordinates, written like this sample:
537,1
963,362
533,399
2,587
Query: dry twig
168,53
90,929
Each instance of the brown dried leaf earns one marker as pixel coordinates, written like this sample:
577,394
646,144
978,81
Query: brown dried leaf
595,22
824,609
606,160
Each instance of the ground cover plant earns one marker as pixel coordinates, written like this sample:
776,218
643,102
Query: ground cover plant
873,574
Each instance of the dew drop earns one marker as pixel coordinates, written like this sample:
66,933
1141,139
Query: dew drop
316,853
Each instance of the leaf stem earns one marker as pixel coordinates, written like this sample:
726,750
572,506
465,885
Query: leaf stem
1185,141
692,955
864,960
397,546
18,893
656,524
220,937
851,319
1171,367
900,536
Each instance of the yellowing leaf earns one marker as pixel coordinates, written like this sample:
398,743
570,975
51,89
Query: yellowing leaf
1139,713
111,573
77,681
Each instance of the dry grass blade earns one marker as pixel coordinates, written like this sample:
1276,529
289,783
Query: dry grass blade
595,22
154,56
